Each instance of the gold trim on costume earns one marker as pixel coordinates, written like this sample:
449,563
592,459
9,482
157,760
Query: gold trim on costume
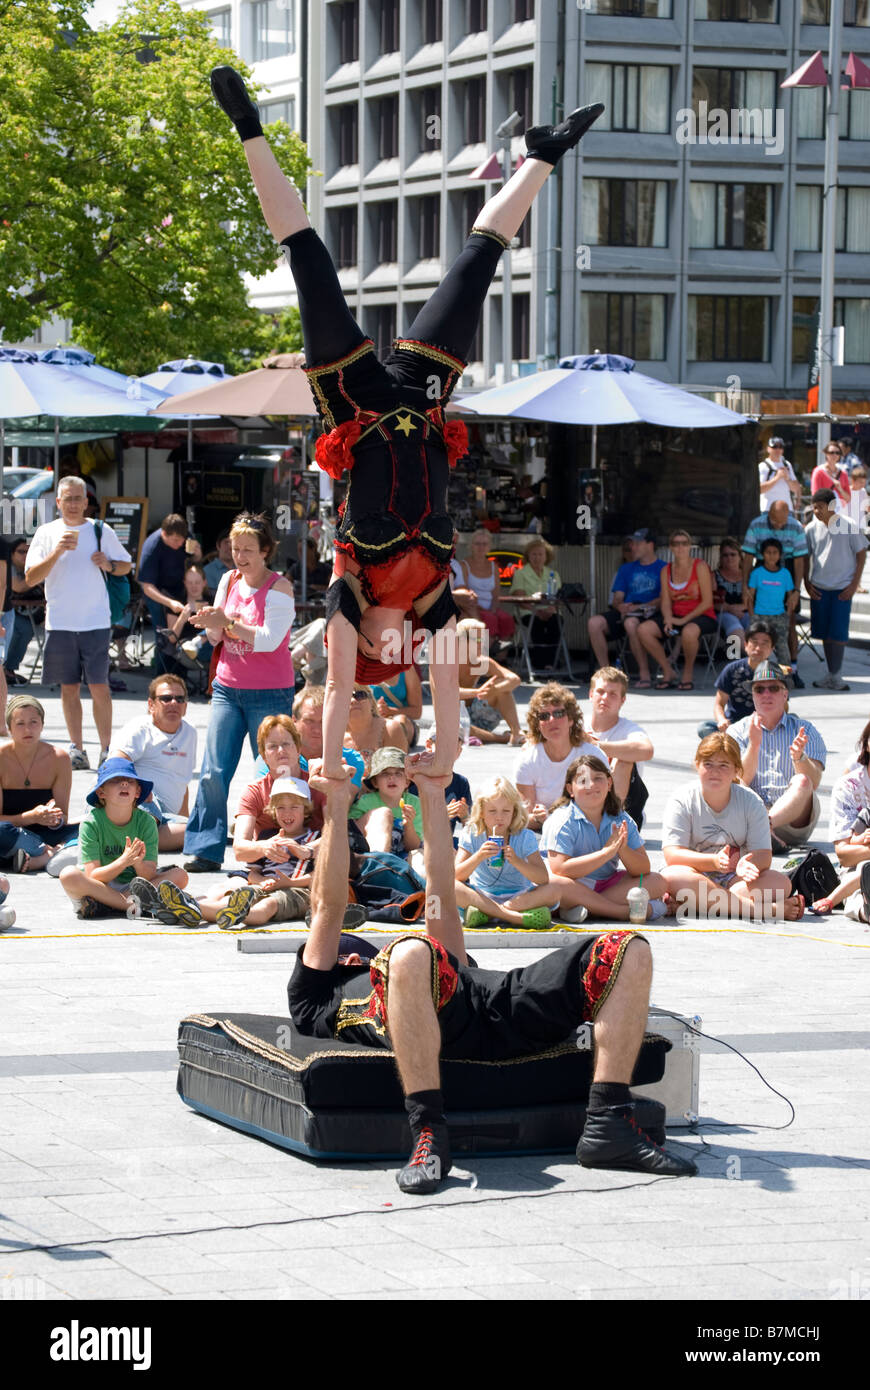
485,231
427,350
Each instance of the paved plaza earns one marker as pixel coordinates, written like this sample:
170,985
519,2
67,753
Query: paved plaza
96,1146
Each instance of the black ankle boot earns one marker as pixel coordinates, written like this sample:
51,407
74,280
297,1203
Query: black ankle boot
429,1162
612,1138
231,95
550,142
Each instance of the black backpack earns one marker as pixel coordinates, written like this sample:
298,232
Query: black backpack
814,877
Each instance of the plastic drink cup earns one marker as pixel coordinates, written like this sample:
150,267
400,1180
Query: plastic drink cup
638,902
73,536
498,860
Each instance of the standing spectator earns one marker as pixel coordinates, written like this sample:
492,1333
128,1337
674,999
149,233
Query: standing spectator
837,554
7,624
728,600
734,683
163,747
772,595
858,499
222,562
849,458
624,743
783,758
776,478
161,573
481,583
685,610
788,530
78,625
634,598
556,737
832,475
251,618
534,578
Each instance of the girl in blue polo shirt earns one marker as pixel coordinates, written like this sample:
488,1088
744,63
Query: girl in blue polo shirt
590,839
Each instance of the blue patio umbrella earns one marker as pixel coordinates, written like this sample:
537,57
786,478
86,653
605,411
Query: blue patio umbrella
600,388
185,374
31,387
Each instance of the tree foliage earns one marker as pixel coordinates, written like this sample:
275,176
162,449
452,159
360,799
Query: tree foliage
126,205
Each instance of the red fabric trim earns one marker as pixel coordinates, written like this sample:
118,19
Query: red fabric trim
603,967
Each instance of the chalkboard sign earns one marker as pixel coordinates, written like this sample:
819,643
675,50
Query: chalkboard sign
128,518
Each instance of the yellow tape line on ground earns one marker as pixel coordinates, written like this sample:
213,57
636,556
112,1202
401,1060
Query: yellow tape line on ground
494,931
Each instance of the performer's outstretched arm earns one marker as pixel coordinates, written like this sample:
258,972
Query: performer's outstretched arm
331,872
341,652
442,914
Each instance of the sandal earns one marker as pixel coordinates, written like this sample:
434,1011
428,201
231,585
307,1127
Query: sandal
666,685
643,685
20,860
686,685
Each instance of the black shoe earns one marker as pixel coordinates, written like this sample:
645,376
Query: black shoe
612,1138
199,865
354,916
796,680
428,1164
550,142
90,909
865,889
231,95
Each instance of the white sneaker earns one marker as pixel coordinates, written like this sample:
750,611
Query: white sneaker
79,759
837,683
7,917
572,915
824,683
103,756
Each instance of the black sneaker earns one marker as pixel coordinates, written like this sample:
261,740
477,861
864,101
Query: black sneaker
612,1138
198,865
428,1164
550,142
796,680
231,95
354,916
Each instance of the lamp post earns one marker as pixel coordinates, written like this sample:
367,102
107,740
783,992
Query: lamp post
504,133
813,74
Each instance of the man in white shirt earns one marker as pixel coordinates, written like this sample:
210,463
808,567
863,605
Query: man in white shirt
162,746
65,557
625,743
776,477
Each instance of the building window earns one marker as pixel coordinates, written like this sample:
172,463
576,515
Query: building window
854,114
429,118
476,16
632,324
472,202
347,16
729,328
389,26
625,212
222,27
381,323
348,134
284,110
855,12
428,213
730,89
521,326
852,314
474,110
857,114
853,219
520,94
387,118
523,10
748,11
636,97
731,216
637,9
272,29
432,21
344,229
387,233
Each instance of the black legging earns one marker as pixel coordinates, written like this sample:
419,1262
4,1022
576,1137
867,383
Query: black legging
448,320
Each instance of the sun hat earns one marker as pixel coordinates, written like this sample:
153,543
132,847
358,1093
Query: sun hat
382,759
290,786
118,767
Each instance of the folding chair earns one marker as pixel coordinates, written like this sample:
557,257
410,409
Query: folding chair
562,661
804,636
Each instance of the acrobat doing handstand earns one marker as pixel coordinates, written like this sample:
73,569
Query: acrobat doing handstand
386,427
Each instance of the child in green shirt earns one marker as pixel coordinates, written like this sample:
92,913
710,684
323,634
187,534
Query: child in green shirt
117,845
389,816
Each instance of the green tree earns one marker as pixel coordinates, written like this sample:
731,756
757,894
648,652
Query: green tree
126,205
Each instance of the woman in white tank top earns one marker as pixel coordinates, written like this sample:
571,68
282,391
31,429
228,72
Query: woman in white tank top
478,596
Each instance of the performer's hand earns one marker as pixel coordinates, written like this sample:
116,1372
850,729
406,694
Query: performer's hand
331,781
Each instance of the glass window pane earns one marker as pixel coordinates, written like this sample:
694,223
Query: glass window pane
758,227
858,114
702,215
594,195
810,112
654,99
856,318
222,26
858,220
596,87
273,28
807,216
619,83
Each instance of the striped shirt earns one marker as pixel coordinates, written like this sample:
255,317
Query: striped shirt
775,767
790,536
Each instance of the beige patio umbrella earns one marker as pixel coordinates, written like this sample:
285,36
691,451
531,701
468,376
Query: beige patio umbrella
279,387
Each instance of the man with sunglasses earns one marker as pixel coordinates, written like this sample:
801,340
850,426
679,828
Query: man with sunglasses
162,745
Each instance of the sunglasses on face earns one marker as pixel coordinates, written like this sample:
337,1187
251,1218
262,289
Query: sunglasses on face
835,453
544,716
360,695
171,699
767,689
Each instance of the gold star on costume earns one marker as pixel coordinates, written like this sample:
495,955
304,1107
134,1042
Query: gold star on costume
403,423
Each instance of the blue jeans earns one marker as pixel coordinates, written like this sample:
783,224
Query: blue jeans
234,713
13,837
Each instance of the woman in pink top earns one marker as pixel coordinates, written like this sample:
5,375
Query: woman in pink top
251,618
833,475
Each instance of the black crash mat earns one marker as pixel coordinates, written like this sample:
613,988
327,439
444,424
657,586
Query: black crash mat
335,1100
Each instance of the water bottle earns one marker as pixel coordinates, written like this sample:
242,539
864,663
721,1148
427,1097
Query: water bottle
551,584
